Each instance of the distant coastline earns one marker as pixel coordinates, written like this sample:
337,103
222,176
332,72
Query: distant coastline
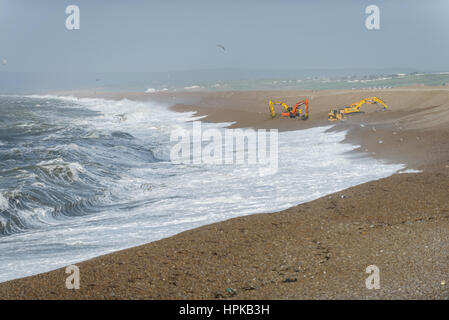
217,80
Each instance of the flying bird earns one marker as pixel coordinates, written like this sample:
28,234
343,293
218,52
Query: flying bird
4,62
221,46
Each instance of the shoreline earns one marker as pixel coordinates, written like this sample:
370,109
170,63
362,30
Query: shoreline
324,244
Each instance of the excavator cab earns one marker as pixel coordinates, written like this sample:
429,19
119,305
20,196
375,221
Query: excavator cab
298,110
289,113
334,115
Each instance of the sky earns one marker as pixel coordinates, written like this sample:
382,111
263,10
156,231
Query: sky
159,36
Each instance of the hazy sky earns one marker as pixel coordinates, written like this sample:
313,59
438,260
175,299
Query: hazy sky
183,35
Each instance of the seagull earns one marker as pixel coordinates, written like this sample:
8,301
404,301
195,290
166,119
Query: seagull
4,62
221,46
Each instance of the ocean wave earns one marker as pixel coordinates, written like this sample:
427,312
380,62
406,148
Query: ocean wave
194,87
78,207
153,90
4,203
121,134
61,170
42,205
15,215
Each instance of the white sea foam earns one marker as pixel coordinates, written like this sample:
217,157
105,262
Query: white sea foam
410,171
174,198
192,87
153,90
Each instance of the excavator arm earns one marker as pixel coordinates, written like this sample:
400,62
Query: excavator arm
373,100
380,101
271,106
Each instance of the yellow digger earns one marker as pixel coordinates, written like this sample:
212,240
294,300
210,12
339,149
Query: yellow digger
339,114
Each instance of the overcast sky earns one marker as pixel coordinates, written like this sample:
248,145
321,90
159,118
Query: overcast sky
183,35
